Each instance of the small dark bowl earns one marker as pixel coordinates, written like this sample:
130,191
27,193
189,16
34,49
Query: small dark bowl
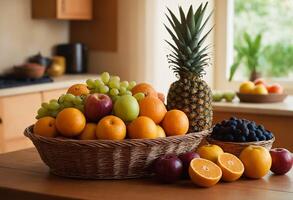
33,71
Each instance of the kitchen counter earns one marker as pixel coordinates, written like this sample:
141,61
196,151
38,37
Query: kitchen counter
58,83
24,176
281,109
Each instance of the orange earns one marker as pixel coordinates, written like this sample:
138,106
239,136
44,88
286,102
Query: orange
145,88
232,167
210,152
78,90
246,87
160,132
175,122
153,108
257,161
89,132
111,128
142,127
204,173
70,122
45,126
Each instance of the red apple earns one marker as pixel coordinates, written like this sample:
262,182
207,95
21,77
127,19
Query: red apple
260,81
282,160
275,88
186,159
97,106
168,168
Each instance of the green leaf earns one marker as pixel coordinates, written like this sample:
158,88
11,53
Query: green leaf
176,22
190,20
178,33
205,22
204,37
183,21
233,69
189,36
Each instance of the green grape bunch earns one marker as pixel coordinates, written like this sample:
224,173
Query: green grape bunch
110,85
55,106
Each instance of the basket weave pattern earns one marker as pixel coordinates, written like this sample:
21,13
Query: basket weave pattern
236,148
107,159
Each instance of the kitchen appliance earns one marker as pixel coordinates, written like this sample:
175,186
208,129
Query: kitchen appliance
11,81
75,55
39,59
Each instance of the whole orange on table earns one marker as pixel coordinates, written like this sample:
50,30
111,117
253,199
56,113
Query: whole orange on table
175,122
46,127
210,152
111,128
153,108
70,122
257,161
142,127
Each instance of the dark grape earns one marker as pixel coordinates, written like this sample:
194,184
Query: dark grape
258,133
240,130
228,137
261,138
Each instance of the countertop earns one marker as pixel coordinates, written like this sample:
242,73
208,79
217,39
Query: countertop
284,108
64,81
24,176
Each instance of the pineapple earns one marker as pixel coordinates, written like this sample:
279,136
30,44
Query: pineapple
188,58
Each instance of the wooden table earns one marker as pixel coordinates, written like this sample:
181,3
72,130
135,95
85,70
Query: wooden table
24,176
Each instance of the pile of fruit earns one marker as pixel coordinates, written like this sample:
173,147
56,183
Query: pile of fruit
210,164
240,130
259,86
108,108
227,96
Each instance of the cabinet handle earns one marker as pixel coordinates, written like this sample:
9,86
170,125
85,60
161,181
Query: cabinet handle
1,120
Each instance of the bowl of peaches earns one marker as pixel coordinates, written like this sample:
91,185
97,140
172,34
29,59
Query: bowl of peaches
261,92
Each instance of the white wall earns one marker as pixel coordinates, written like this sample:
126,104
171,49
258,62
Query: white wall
141,54
20,36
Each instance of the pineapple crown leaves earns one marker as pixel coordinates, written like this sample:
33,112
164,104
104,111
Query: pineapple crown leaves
188,55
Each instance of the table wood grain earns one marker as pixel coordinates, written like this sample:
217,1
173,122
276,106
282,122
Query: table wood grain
24,176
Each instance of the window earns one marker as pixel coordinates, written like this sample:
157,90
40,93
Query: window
272,21
239,22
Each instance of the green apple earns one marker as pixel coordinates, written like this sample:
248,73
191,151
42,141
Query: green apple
229,96
126,108
217,96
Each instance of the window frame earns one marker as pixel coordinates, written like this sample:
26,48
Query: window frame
224,14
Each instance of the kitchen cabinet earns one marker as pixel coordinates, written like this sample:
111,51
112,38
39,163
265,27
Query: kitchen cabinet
62,9
103,34
17,112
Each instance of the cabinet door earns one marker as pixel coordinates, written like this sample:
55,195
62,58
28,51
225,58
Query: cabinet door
17,113
52,94
74,9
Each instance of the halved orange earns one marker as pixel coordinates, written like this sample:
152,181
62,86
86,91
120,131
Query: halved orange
232,167
204,173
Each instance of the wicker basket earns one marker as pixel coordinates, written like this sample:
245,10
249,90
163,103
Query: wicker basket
236,147
106,159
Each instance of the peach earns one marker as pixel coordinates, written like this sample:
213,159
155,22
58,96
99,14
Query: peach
275,88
